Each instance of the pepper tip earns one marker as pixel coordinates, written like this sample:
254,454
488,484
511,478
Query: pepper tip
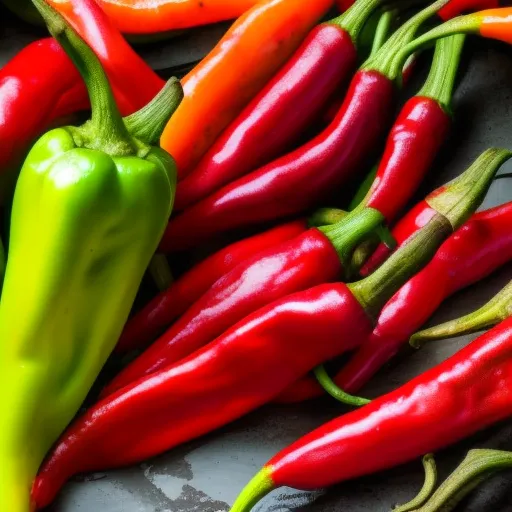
254,491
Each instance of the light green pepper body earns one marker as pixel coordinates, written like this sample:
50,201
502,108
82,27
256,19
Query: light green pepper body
88,213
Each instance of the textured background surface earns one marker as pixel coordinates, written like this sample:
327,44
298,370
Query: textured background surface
207,474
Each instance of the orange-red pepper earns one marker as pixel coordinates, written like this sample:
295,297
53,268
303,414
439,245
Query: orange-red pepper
216,90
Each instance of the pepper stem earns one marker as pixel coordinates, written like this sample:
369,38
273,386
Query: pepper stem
349,232
325,216
382,31
2,265
335,391
364,188
105,130
254,491
429,485
354,18
441,79
493,312
148,123
478,466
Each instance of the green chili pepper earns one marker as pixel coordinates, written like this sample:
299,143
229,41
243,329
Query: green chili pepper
90,207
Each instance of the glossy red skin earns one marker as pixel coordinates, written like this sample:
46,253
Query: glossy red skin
298,180
308,260
414,141
277,116
456,7
478,248
158,314
414,219
464,394
243,369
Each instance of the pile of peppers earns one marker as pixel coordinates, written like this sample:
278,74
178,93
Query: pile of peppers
235,178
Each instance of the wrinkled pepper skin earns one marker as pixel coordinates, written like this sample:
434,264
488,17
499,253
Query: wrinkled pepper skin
324,164
298,264
478,248
273,120
81,208
240,65
160,312
283,340
413,143
466,393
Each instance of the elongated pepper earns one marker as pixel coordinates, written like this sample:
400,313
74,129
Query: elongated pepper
468,392
77,201
316,256
272,121
313,170
239,66
478,248
255,359
160,312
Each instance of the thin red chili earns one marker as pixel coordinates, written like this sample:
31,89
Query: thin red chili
255,359
478,248
466,393
312,171
158,314
279,114
311,258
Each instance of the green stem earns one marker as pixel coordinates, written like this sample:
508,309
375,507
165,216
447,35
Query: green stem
382,31
429,465
336,392
353,20
477,467
325,216
376,289
499,308
363,189
460,197
2,265
349,232
148,123
106,130
254,491
384,60
441,79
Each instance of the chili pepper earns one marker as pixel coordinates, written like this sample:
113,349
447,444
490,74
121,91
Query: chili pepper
313,170
139,17
252,361
478,466
244,60
476,250
456,7
314,257
78,199
273,120
466,393
152,320
499,308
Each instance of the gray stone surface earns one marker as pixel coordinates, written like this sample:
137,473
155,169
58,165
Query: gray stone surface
206,475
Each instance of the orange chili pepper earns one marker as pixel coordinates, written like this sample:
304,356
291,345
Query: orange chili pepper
496,23
216,90
143,17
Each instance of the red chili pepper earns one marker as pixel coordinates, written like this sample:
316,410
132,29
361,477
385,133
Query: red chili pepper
466,393
279,114
152,320
314,257
456,7
255,359
476,250
313,170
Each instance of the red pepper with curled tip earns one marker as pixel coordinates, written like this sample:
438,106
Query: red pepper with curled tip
255,359
478,248
313,170
314,257
284,108
466,393
160,312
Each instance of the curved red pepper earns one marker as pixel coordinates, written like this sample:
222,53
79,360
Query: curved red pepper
151,321
478,248
203,392
274,119
456,7
298,180
466,393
